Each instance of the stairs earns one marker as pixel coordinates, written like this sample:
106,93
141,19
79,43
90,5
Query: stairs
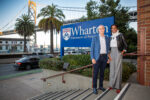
87,94
78,94
128,92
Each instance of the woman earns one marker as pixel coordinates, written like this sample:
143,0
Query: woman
118,47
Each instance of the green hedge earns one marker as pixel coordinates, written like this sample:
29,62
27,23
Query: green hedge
128,69
51,63
77,61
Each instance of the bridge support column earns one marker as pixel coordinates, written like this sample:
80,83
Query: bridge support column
143,66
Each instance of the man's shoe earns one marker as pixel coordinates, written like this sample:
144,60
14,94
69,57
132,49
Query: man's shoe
118,91
94,90
103,89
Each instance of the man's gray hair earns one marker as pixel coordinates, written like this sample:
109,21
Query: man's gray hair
100,26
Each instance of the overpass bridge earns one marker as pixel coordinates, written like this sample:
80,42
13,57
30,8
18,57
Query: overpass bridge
133,18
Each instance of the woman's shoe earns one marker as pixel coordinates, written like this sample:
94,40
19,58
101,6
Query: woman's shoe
110,88
118,91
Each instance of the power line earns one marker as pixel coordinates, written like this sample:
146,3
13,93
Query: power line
61,6
72,7
13,17
73,10
10,26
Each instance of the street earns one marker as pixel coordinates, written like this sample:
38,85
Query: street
8,71
19,85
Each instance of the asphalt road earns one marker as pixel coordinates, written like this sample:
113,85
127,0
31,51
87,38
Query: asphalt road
8,71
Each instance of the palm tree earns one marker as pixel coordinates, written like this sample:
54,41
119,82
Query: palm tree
52,20
24,27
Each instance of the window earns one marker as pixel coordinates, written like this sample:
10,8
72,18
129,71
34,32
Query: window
32,59
1,48
21,47
6,47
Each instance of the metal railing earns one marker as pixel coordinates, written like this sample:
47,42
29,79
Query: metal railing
62,74
87,66
136,54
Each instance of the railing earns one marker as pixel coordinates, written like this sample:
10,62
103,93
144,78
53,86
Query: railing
136,54
62,74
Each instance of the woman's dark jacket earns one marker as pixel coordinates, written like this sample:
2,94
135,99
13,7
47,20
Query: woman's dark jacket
121,43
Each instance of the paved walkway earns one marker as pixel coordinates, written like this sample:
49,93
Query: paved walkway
21,88
137,92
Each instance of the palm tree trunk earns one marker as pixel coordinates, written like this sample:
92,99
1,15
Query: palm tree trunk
51,39
25,43
56,39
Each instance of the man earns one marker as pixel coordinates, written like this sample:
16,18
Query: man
99,54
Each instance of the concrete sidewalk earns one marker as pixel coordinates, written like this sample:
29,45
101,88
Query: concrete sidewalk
21,88
137,92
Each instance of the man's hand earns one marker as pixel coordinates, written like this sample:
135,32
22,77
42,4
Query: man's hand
93,61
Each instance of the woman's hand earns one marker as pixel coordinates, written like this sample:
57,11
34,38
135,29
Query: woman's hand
93,61
109,59
122,52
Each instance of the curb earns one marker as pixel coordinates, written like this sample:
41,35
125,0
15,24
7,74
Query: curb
20,74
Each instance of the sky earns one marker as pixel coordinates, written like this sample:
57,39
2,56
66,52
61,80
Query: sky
12,9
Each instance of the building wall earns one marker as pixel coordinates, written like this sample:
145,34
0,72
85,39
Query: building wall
12,46
143,9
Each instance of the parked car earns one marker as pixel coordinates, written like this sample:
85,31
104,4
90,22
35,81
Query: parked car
43,55
27,62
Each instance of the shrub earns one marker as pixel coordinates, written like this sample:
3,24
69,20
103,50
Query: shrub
127,70
51,63
74,67
81,60
77,61
87,72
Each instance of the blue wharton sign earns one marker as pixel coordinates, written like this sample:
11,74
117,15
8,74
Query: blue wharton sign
80,34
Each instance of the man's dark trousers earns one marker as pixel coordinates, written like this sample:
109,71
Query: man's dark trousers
99,66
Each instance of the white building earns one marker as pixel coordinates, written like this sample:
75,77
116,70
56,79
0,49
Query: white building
13,45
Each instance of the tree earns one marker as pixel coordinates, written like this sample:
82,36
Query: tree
83,18
52,20
92,12
107,8
131,39
25,27
113,8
